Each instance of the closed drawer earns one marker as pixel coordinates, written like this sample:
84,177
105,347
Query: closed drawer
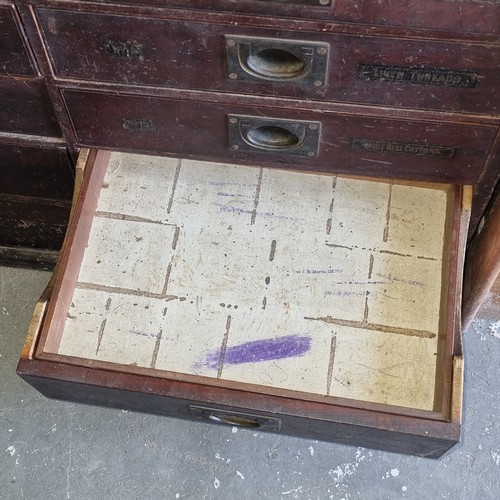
26,108
332,142
14,59
238,59
478,16
242,295
33,222
36,172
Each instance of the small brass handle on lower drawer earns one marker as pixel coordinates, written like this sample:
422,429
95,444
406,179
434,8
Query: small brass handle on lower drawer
234,420
273,135
299,61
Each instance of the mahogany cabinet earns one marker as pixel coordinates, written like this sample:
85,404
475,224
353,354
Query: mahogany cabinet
427,63
36,167
398,96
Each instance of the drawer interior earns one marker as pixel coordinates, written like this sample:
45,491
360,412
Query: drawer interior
314,286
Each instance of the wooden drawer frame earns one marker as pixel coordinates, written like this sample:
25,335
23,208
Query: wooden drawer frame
345,67
424,15
404,430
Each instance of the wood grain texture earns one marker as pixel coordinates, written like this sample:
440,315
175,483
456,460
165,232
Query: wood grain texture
14,57
340,424
483,262
36,171
147,51
456,16
26,108
199,130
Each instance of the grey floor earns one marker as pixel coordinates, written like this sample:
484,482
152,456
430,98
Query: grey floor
51,449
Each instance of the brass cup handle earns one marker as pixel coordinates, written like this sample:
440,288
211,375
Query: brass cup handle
234,420
272,137
303,62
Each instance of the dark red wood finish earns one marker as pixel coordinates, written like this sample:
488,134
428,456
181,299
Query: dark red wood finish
36,171
396,433
199,129
25,108
461,16
33,222
108,69
14,58
135,50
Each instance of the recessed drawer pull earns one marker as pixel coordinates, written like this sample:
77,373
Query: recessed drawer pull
271,137
254,59
276,63
235,419
274,135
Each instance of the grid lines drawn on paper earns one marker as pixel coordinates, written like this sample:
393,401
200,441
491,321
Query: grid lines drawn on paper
313,283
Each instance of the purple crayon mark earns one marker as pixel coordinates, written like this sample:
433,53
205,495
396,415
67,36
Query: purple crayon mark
291,346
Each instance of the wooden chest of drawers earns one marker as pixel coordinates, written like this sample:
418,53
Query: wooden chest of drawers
430,67
405,93
36,168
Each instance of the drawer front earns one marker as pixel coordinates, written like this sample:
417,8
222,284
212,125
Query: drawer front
311,65
302,140
59,381
470,16
26,222
36,172
14,59
25,108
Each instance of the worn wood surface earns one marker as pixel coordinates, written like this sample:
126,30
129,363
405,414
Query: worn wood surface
456,16
379,430
410,40
167,53
228,265
26,107
347,144
42,171
14,56
483,262
490,308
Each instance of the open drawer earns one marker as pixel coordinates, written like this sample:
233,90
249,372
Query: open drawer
314,305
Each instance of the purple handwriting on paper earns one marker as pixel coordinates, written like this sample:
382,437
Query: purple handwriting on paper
239,210
291,346
142,333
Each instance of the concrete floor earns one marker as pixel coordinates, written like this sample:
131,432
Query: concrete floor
57,450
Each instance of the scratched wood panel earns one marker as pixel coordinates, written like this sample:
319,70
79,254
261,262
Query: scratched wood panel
313,283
